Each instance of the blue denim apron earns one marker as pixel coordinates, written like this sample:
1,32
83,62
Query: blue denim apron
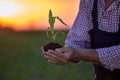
101,39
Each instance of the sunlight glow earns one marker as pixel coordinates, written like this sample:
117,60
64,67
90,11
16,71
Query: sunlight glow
22,14
8,8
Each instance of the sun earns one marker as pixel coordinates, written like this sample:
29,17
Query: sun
8,8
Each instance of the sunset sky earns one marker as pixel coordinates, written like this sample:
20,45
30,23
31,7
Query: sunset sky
33,14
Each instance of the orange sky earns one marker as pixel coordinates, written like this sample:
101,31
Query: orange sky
33,14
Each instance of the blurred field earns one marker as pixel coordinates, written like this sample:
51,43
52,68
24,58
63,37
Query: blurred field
21,59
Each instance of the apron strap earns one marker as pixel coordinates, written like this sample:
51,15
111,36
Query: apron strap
119,25
95,15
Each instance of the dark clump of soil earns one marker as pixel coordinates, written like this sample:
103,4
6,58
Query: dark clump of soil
51,46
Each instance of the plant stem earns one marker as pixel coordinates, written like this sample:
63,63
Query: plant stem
52,30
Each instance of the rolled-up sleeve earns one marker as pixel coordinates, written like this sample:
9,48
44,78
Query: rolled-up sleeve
110,57
78,35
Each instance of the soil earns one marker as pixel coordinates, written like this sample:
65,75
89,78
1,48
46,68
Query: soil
52,46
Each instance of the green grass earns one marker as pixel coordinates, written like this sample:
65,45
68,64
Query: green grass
21,59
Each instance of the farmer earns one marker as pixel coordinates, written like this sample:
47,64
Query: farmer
94,37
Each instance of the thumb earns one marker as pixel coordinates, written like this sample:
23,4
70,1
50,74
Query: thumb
61,50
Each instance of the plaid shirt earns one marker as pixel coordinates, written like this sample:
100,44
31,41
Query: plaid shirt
108,20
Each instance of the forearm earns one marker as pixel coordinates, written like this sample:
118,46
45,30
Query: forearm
107,57
89,55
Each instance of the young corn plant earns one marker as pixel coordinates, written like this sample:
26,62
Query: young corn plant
51,30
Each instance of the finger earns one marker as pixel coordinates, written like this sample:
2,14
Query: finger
42,49
51,55
56,60
58,56
61,50
53,62
56,53
49,58
65,51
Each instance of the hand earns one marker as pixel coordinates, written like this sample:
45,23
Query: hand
59,56
65,55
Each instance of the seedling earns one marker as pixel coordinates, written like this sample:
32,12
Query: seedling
52,33
51,30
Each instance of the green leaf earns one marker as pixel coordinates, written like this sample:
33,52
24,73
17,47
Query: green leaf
57,34
61,21
51,19
50,31
47,31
